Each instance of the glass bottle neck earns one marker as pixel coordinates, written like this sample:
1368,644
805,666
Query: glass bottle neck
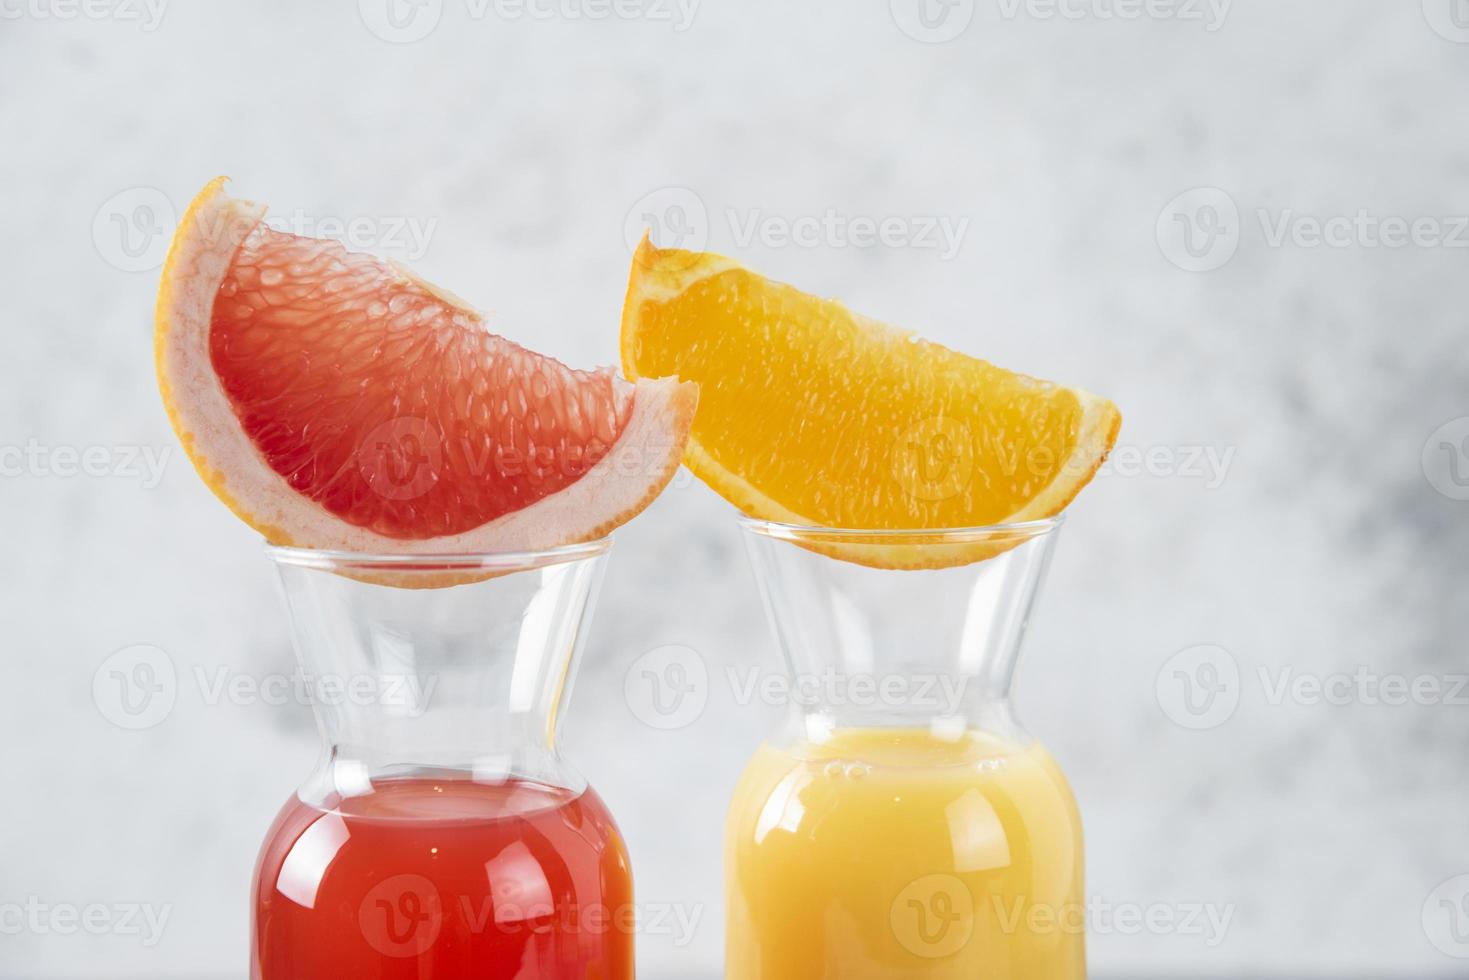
416,677
930,647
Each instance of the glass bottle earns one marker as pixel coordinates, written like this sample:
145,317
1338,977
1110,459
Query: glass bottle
901,823
441,834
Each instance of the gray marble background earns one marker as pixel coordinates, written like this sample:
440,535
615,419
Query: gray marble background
1328,542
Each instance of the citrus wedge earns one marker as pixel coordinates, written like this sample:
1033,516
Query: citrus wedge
335,401
812,414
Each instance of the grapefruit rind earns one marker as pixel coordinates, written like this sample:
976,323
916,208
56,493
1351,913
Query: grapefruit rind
608,495
659,275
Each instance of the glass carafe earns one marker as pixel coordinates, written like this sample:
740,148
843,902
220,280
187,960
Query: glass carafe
901,823
441,834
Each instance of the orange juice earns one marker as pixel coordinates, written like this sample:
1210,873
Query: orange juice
896,853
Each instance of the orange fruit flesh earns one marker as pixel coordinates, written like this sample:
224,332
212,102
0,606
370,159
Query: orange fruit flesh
811,413
389,405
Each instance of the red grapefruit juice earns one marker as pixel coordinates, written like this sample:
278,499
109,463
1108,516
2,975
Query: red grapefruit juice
445,879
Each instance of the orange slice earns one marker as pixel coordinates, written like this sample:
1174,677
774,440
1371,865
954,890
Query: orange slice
333,400
812,414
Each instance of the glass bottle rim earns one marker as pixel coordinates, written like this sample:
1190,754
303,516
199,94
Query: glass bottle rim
497,561
784,531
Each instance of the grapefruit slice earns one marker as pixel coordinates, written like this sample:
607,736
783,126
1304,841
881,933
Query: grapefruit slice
333,400
811,414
